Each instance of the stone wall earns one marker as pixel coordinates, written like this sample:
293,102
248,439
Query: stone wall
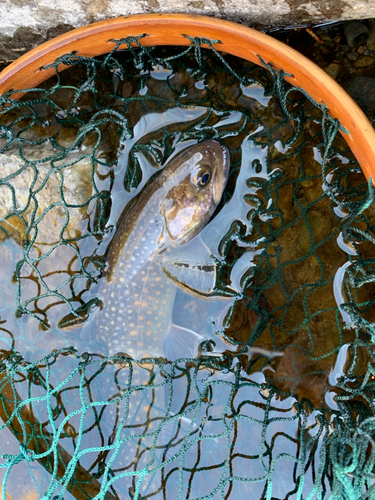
27,23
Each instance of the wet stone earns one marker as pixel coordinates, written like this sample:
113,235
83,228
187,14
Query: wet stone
363,88
324,50
370,42
352,56
355,33
343,49
333,70
364,61
74,185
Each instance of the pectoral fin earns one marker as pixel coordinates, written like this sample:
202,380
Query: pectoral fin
192,269
194,279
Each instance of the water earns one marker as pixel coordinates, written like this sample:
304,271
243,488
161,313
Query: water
280,251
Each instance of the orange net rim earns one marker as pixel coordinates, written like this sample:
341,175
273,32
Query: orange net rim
237,40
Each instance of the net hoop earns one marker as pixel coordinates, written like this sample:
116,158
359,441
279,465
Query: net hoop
241,41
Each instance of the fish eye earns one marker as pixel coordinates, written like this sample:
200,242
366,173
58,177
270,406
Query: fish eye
204,177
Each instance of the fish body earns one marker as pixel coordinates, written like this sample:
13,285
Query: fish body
173,207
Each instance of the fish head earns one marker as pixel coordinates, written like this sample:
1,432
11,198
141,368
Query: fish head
195,182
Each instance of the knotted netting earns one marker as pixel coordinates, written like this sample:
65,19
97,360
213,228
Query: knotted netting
286,409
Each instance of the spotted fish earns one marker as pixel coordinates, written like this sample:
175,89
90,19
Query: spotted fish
136,293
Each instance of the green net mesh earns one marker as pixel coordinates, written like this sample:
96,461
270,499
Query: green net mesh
286,409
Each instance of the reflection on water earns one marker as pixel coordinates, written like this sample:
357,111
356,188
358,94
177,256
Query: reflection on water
255,305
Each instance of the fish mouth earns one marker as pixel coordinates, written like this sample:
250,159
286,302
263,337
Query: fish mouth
222,175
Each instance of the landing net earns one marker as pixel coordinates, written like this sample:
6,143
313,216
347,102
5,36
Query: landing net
296,423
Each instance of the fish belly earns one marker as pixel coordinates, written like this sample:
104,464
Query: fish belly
136,314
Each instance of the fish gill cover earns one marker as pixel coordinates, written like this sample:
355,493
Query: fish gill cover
274,395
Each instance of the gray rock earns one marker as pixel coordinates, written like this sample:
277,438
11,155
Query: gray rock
355,33
362,89
35,191
27,23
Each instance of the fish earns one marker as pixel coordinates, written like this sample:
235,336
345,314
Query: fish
136,293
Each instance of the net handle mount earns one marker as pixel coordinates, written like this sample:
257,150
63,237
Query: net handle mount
238,40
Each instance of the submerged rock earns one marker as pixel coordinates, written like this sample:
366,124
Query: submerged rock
355,33
38,194
333,70
362,89
364,61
